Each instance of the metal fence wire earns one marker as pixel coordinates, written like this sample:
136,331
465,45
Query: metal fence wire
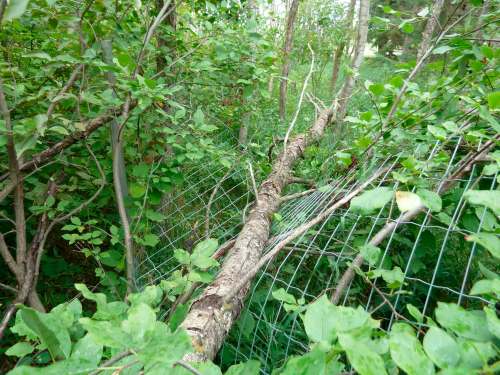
436,262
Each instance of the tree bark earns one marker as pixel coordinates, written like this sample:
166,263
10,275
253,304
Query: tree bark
337,59
210,318
359,50
432,22
343,45
166,43
292,15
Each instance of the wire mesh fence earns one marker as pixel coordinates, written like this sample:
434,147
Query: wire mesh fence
428,254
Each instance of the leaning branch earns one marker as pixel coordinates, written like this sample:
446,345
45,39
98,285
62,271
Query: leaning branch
389,228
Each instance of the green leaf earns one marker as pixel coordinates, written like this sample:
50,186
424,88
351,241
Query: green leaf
494,100
376,89
178,316
487,198
313,362
441,50
407,27
111,258
48,338
199,117
165,348
20,349
468,324
155,216
88,350
136,190
407,351
474,355
361,356
106,333
486,287
282,295
251,367
437,132
319,321
370,253
206,247
493,321
419,317
151,240
441,348
141,321
489,241
394,278
430,199
182,256
372,199
15,9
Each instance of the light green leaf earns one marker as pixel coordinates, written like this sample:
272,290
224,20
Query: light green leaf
182,256
441,348
394,278
164,347
487,198
430,199
441,50
489,241
313,362
370,253
251,367
468,324
141,321
364,360
206,247
372,199
48,338
486,287
281,295
106,333
407,351
151,240
493,321
20,349
437,132
319,321
88,350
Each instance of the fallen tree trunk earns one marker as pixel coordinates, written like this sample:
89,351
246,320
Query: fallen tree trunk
210,317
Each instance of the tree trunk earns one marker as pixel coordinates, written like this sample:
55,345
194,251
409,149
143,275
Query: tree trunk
343,45
429,28
210,319
292,15
166,43
337,59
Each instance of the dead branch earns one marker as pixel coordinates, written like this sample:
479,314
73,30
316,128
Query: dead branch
209,319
